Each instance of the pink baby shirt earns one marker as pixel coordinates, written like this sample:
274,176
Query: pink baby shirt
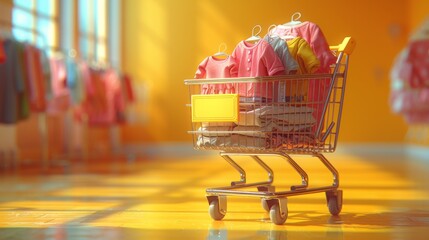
212,67
255,60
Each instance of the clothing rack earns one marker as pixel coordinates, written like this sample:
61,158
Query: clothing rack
42,120
84,127
70,123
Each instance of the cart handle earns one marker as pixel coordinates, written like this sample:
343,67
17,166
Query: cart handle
347,46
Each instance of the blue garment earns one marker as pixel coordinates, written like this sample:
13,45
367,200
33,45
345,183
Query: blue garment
280,47
74,81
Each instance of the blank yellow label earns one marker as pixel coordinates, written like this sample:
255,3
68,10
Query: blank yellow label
215,108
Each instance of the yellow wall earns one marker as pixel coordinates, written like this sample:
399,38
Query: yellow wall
419,11
164,40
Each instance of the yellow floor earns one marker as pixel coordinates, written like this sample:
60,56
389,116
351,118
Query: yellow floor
384,198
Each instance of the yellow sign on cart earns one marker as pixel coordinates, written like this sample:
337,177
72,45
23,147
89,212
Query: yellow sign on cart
215,108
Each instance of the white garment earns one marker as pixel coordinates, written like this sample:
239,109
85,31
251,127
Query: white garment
269,129
233,141
214,131
218,124
285,114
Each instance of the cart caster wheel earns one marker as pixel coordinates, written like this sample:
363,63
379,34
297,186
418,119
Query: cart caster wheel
265,205
335,202
278,215
217,208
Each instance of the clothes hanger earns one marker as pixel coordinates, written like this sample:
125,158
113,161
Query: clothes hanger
221,51
294,20
271,31
58,55
255,37
272,34
72,53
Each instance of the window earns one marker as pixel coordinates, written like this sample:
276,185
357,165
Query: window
86,26
92,33
36,21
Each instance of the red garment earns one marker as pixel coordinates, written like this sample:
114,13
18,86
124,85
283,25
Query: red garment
418,58
2,52
413,104
410,83
410,100
129,91
35,76
104,103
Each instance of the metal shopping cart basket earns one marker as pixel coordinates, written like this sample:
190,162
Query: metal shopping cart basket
283,116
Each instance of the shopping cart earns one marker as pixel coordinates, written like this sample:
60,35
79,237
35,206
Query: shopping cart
282,116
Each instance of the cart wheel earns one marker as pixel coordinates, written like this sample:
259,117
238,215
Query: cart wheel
214,210
276,215
265,205
335,202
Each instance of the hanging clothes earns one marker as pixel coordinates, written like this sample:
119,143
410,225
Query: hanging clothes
301,51
79,110
282,51
418,58
128,88
258,59
95,104
74,81
23,97
116,96
46,73
13,99
104,102
36,76
212,67
410,81
60,101
2,52
313,34
308,63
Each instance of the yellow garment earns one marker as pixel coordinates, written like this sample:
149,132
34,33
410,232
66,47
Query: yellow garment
303,54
